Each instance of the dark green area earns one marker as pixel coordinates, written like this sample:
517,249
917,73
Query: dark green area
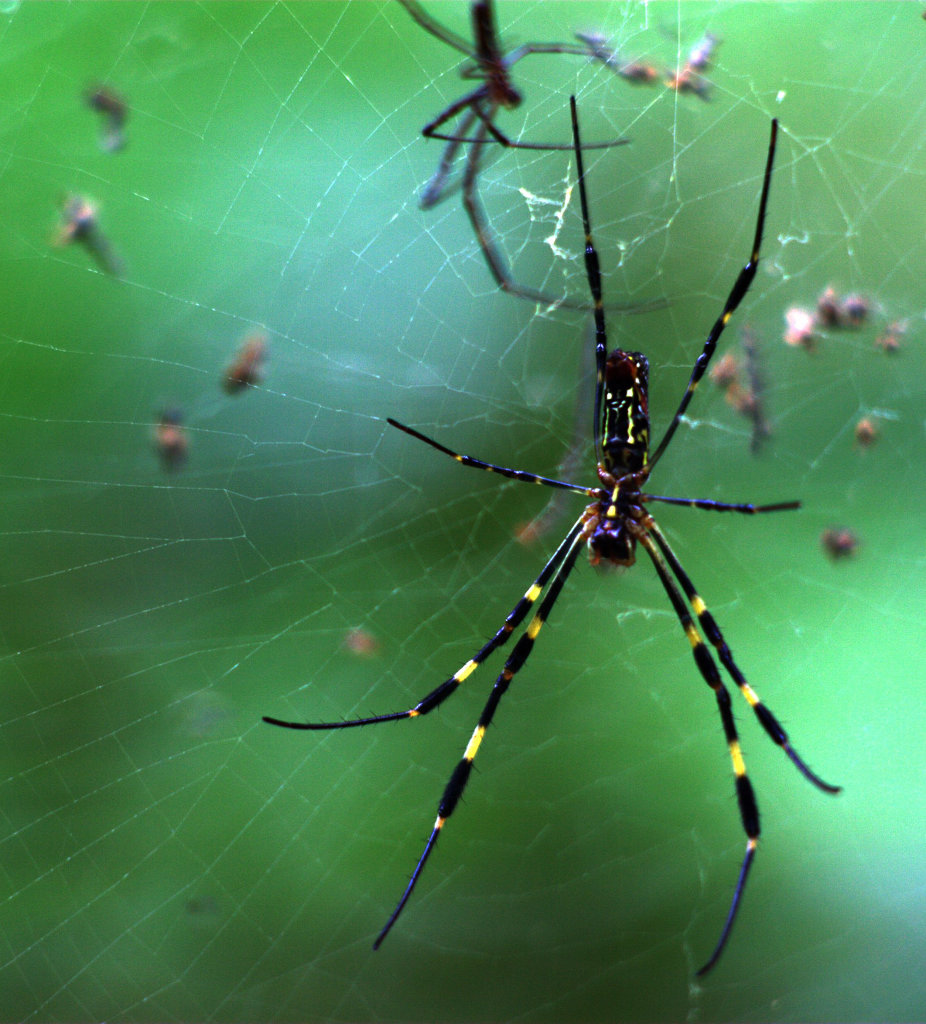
164,855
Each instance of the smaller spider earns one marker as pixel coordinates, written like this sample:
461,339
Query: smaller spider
891,338
833,311
867,432
477,109
361,642
802,329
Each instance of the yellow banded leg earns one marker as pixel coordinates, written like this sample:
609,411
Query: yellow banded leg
460,776
437,696
470,460
749,810
769,722
740,286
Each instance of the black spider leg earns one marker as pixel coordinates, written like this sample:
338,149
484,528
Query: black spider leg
740,287
749,810
712,631
512,621
593,273
722,506
438,695
664,559
460,777
512,474
493,257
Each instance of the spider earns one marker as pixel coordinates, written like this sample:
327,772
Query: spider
478,107
614,522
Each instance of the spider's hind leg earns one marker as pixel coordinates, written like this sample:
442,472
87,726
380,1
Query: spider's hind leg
745,795
769,722
515,662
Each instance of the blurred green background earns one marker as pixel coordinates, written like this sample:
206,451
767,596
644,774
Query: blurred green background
163,854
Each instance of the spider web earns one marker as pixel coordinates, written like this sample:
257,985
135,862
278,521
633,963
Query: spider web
164,855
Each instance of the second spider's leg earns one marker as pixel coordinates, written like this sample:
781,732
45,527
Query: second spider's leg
500,137
459,778
436,190
435,28
722,506
712,631
438,695
740,287
471,103
487,116
480,224
749,810
493,257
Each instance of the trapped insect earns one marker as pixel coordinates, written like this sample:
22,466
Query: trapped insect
80,225
171,439
247,369
114,110
612,524
839,542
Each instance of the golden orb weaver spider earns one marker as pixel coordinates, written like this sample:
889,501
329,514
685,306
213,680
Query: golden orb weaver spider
611,526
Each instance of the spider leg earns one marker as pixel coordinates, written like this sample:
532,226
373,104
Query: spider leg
460,776
731,913
722,506
504,140
494,259
474,100
437,696
749,810
740,287
471,100
712,631
488,119
512,474
593,273
436,190
526,49
435,28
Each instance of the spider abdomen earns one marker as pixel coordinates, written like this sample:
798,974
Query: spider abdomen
625,413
